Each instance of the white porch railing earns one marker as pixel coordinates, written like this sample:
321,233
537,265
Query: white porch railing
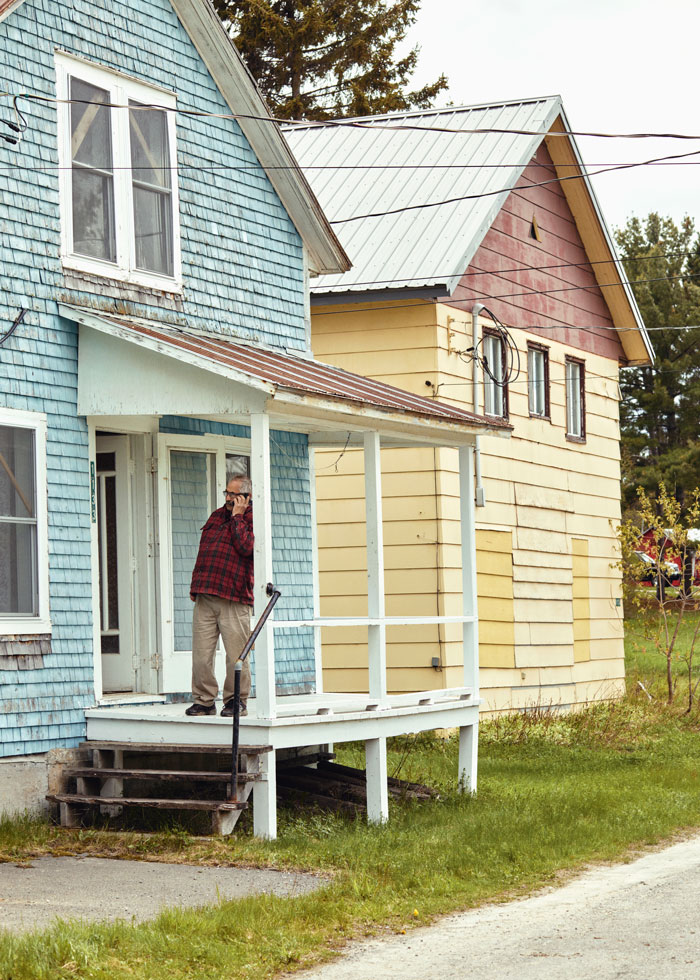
376,621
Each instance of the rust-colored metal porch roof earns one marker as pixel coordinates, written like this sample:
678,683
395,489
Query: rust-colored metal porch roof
280,372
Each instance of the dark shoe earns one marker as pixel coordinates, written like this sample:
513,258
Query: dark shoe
227,710
201,709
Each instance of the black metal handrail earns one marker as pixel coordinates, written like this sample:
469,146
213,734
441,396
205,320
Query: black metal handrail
274,596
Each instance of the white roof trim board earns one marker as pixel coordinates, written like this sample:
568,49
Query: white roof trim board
431,247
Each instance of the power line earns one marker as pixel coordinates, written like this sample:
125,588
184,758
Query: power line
515,187
358,123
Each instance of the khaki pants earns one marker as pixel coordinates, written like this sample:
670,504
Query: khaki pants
214,617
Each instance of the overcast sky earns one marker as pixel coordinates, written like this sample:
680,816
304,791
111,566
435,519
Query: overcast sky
621,66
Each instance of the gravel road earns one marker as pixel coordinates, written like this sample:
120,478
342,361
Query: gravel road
638,921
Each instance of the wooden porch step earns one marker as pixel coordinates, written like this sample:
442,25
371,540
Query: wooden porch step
147,747
215,805
165,774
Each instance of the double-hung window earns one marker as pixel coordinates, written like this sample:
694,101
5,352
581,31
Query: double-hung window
119,204
495,390
575,399
24,600
538,380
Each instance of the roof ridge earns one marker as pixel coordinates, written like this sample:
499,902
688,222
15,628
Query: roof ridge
418,113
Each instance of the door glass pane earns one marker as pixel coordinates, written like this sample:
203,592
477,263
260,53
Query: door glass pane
92,177
192,499
150,162
236,466
18,592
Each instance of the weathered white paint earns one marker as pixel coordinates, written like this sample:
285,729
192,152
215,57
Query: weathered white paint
117,669
41,623
377,785
468,735
470,631
115,377
375,567
265,798
91,477
297,723
318,646
467,765
265,644
372,621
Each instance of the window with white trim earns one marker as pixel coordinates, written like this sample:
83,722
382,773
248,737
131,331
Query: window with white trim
119,202
538,380
575,399
495,391
23,523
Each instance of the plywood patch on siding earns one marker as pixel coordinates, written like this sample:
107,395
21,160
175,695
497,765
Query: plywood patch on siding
581,591
494,562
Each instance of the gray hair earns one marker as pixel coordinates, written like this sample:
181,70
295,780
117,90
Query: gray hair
245,482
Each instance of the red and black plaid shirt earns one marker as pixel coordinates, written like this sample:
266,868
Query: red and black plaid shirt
224,565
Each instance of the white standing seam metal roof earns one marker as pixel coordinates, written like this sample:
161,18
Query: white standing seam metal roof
390,162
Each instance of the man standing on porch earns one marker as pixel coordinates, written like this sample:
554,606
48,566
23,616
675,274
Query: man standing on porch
222,592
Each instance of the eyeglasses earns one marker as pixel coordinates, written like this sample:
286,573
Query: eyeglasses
235,493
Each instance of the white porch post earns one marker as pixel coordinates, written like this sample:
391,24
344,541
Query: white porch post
318,649
375,749
265,792
375,566
469,734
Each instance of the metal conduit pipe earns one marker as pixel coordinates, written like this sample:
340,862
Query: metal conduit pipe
480,496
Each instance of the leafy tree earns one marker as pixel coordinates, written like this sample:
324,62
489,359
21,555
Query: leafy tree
319,59
662,609
660,413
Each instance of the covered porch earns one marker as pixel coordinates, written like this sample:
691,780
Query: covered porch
132,373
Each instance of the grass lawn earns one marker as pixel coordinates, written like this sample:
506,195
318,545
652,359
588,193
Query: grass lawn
555,792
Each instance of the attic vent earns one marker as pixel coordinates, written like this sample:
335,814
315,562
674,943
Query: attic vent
535,230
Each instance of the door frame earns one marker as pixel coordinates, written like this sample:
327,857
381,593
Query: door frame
139,433
126,570
175,666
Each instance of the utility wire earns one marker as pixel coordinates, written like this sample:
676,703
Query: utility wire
507,190
359,123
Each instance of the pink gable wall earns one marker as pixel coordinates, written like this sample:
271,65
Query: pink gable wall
579,315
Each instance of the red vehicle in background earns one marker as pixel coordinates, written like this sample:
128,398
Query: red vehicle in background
652,550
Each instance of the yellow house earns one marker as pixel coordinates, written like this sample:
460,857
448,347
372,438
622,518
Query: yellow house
483,274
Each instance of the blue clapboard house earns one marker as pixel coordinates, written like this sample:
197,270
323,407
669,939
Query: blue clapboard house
156,244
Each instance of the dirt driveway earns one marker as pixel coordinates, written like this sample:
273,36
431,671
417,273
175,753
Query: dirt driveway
638,921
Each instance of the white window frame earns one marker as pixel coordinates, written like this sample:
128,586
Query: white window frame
575,399
495,397
538,381
121,90
19,624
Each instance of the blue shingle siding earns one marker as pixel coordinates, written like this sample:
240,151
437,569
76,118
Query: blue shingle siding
34,702
292,553
242,256
243,276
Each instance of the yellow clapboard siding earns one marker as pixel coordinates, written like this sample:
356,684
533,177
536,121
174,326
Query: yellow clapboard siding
575,486
581,601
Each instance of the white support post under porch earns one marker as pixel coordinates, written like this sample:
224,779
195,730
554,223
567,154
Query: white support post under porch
265,793
375,749
468,735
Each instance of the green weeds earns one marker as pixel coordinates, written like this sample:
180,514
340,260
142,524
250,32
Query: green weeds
555,791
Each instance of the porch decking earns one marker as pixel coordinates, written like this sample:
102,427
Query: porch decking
304,720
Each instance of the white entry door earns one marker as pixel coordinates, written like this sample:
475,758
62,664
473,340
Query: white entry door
115,563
